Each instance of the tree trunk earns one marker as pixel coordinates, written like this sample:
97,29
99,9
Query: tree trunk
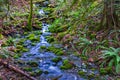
30,16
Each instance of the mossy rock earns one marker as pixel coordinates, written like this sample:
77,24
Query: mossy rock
42,47
36,73
27,68
46,72
104,71
50,39
33,38
16,56
21,48
92,75
33,44
66,65
33,63
21,42
56,59
81,73
57,51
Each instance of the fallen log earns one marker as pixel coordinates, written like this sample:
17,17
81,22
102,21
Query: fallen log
7,65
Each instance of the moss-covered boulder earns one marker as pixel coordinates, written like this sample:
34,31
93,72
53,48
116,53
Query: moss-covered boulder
33,38
57,51
42,47
56,59
81,73
21,48
66,65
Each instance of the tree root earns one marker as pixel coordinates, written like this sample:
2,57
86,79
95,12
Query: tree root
7,65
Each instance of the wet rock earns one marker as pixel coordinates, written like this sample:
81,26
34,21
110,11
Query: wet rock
42,47
66,65
33,63
81,73
56,59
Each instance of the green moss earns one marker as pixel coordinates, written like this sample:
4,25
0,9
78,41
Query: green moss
42,47
27,68
92,75
81,73
61,35
1,36
104,71
37,32
33,63
33,38
57,51
21,42
33,44
56,29
66,65
16,56
36,73
56,59
50,39
21,48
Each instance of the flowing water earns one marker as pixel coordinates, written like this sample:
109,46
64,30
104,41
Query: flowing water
51,70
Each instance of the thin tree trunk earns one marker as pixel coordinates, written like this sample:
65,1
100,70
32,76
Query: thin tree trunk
30,16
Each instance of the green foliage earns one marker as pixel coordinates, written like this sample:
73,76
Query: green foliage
21,48
16,56
57,26
50,39
1,36
10,41
104,71
112,58
33,38
4,53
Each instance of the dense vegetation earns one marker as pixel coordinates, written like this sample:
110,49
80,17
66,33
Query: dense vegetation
90,29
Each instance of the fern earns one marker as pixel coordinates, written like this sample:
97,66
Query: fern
112,55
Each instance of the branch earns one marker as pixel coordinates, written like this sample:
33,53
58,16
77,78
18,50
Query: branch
6,64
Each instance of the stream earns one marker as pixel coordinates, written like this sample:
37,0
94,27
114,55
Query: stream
50,69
